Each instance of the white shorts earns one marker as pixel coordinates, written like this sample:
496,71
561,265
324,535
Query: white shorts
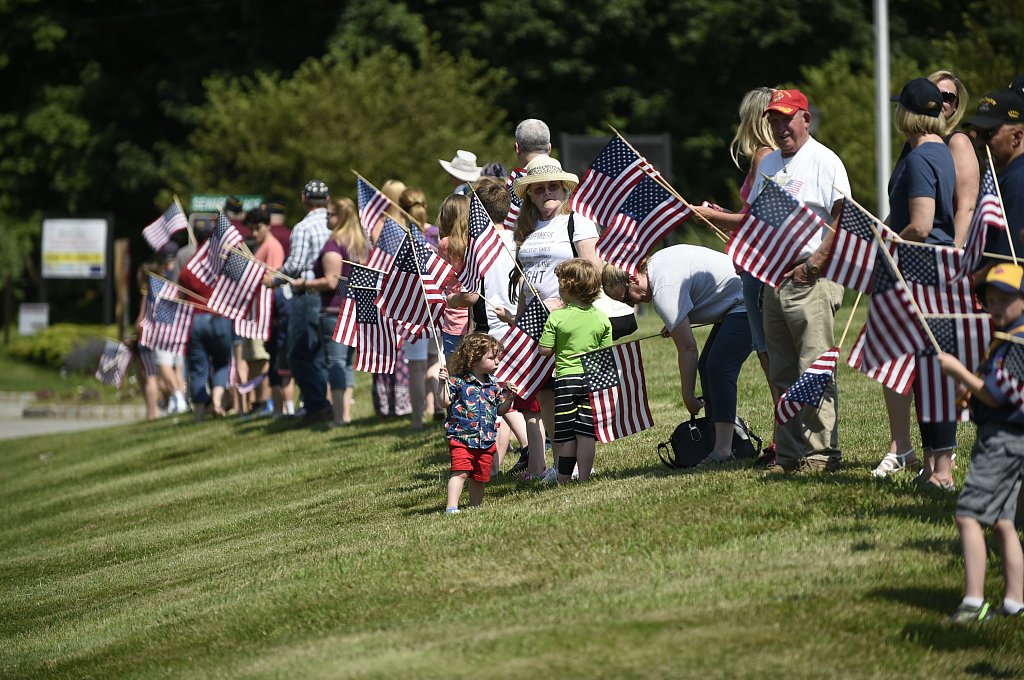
416,350
162,358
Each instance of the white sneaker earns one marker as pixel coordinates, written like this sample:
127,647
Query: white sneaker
576,473
550,476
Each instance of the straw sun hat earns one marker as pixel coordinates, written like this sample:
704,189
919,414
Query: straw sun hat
544,169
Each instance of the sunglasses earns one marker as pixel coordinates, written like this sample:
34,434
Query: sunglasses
949,97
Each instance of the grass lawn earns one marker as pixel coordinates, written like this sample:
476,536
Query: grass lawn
227,549
50,385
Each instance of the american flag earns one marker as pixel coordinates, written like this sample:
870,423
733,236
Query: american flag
809,389
484,246
167,323
206,264
363,284
114,362
897,374
391,237
648,213
608,181
1010,374
372,204
251,384
967,339
256,323
517,203
618,392
987,213
892,328
773,233
852,262
159,232
361,325
521,363
236,285
411,292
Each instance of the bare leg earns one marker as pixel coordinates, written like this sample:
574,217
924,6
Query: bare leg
476,493
151,393
504,435
455,484
898,407
586,449
972,538
723,441
430,386
942,462
1013,559
535,439
346,405
338,406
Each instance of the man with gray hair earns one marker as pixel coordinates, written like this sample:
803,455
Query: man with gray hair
533,138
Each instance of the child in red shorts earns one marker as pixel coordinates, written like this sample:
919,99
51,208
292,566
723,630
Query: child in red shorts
474,401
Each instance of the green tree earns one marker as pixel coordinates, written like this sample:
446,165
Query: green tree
385,116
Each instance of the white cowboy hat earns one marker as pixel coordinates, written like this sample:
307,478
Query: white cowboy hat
544,169
463,166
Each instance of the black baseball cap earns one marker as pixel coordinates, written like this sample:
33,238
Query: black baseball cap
920,96
996,108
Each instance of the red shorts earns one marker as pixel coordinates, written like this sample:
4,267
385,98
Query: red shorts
528,405
476,462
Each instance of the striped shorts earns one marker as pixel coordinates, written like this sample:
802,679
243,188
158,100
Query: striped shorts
573,414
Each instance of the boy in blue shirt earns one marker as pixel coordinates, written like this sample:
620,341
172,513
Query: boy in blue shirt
989,496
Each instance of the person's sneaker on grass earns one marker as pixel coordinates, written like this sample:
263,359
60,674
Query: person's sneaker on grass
550,476
452,511
524,460
966,614
713,462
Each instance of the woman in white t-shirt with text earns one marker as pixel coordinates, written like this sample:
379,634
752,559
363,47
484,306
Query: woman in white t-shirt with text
543,241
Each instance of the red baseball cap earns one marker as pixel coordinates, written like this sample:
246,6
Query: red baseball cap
788,102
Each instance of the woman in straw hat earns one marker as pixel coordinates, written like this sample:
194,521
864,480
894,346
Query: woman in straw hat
547,233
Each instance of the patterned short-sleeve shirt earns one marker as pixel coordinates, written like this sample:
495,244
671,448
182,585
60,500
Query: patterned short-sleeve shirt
473,413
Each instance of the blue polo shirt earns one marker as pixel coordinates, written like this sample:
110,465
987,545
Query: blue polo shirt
927,172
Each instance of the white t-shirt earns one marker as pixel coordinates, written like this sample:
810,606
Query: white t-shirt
693,281
547,247
498,288
814,175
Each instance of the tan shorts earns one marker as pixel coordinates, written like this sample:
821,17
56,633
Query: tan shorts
254,350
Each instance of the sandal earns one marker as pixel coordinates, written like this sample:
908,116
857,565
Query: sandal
895,462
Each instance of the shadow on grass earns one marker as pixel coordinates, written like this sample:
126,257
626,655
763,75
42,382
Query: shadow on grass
932,600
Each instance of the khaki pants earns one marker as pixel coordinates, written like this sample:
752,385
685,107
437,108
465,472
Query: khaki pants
799,324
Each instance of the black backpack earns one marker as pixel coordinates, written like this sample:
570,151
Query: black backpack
694,439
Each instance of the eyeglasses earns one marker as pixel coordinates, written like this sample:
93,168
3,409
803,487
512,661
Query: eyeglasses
949,97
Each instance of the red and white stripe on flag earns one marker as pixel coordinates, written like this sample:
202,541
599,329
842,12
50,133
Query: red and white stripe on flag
897,374
521,362
773,234
618,391
809,388
256,323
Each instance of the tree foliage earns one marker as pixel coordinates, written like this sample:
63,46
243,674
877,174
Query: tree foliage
385,116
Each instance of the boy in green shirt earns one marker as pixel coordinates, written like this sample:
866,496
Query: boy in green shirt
573,330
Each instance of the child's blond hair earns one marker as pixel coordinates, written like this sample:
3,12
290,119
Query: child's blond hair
472,349
580,278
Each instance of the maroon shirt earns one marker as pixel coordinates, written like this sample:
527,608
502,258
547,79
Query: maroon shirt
282,234
330,300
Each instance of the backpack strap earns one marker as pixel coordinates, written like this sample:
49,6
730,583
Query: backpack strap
572,232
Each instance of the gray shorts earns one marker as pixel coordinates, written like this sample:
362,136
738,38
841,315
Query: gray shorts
994,479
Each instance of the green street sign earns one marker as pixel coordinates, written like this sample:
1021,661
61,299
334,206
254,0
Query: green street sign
215,202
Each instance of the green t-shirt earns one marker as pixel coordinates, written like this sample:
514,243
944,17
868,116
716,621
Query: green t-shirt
571,330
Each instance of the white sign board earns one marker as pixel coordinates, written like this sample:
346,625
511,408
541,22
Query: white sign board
74,249
33,317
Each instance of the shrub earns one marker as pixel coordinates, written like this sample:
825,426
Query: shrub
54,346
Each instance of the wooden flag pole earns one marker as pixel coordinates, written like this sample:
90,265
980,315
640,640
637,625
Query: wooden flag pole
999,194
958,316
1008,338
669,188
849,320
270,270
178,287
359,264
646,337
188,303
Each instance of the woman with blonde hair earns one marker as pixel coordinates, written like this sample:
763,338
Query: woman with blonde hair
921,193
453,228
345,245
421,354
965,161
753,141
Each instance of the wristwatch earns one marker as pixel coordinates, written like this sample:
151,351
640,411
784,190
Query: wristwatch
812,269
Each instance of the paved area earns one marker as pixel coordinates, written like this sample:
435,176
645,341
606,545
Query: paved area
13,428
